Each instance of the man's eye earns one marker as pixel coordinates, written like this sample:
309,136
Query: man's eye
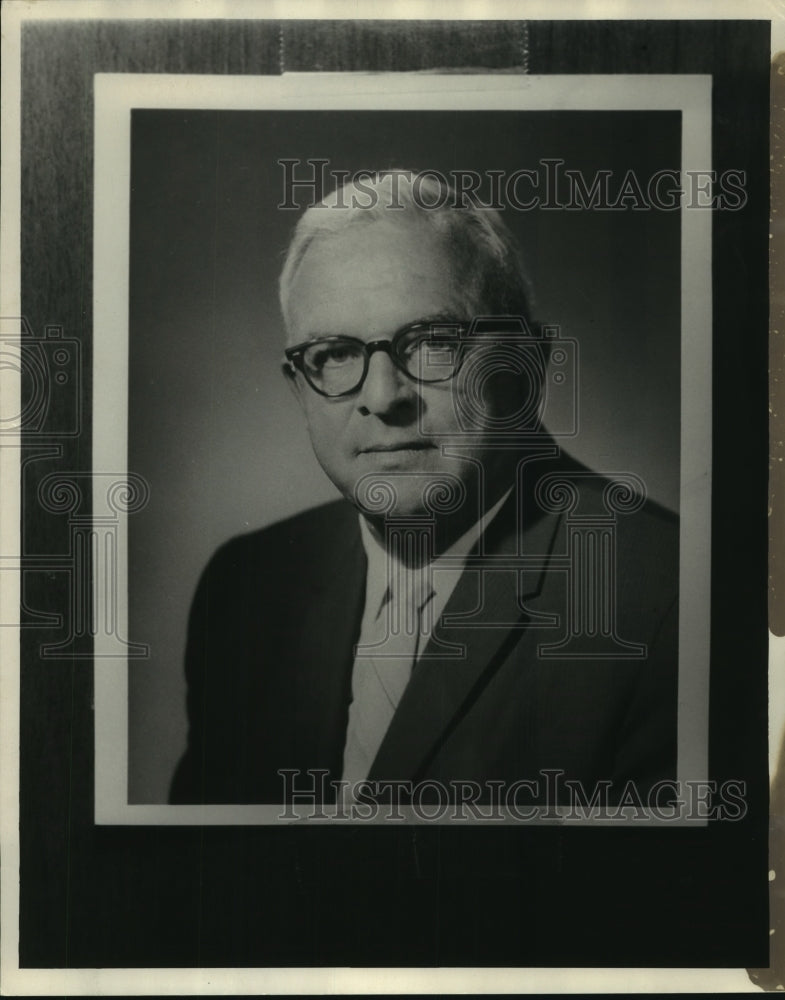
439,353
332,356
431,352
426,347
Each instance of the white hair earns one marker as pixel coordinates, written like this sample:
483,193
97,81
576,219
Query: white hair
488,261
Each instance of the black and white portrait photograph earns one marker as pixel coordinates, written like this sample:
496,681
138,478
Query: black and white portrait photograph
386,580
248,375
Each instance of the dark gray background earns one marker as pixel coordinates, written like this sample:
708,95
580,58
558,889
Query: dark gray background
213,427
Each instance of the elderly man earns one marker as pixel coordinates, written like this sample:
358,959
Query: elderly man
479,613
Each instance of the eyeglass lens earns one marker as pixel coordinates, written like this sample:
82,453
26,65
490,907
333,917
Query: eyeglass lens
338,366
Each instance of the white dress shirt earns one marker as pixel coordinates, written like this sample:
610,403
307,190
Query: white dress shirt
402,604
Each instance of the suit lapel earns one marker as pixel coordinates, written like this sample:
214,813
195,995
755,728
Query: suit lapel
485,615
323,648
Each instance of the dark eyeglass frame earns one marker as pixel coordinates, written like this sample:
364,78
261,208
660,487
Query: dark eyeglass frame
448,329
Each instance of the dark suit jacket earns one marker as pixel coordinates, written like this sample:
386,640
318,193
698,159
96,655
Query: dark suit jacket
276,614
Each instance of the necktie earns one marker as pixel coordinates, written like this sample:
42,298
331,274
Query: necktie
383,664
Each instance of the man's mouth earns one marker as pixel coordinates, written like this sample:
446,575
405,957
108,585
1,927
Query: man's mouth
416,445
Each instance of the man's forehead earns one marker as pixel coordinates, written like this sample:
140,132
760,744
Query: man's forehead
373,277
380,238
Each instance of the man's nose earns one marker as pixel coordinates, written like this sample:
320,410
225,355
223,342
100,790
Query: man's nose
386,390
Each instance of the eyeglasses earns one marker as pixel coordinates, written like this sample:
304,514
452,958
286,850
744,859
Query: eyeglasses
424,352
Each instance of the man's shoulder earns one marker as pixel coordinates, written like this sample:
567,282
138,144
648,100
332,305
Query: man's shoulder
616,506
312,535
567,486
640,536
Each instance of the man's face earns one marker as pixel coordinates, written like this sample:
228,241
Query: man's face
368,282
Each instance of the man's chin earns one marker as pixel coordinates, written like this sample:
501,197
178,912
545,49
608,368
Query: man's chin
408,493
392,509
393,484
